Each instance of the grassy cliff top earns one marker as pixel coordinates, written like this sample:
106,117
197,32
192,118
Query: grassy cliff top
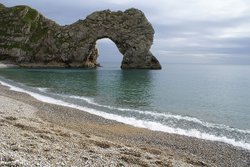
2,6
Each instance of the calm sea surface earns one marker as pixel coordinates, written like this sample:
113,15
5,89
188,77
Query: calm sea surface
205,101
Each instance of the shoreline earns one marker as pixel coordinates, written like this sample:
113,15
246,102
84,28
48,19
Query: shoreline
176,149
6,64
133,122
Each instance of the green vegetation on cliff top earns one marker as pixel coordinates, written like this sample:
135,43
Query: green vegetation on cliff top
29,17
2,6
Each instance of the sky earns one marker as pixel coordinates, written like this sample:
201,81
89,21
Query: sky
186,31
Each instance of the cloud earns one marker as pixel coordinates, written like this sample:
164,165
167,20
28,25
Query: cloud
213,30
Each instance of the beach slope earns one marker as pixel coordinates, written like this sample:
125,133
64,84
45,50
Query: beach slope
42,134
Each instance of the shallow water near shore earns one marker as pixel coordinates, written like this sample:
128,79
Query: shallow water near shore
204,101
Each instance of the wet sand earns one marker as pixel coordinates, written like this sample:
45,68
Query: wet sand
37,133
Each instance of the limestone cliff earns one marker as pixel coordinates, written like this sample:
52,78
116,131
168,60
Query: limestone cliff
31,40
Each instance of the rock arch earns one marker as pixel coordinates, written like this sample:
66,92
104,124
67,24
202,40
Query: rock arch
45,43
129,30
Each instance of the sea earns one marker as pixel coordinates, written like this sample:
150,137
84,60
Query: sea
204,101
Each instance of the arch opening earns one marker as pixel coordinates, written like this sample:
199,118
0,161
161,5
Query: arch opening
108,53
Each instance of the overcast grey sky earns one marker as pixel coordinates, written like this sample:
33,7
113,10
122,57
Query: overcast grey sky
186,31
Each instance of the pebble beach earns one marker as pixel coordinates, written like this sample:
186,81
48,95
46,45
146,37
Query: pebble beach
34,133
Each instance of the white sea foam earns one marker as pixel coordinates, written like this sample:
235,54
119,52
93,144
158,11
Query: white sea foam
135,122
42,89
163,115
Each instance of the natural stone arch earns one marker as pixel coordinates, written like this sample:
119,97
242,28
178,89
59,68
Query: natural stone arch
42,42
129,30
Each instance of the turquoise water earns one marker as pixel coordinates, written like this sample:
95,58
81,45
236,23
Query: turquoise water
205,101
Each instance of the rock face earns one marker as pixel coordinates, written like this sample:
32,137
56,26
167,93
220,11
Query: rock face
31,40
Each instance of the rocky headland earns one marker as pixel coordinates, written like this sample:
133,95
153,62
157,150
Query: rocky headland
28,39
